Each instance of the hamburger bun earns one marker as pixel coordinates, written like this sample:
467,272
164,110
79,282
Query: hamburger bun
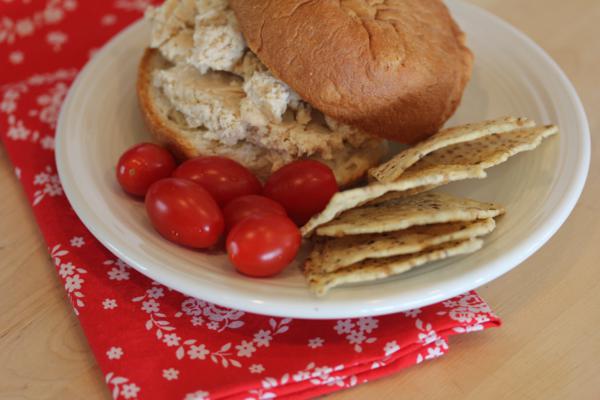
394,68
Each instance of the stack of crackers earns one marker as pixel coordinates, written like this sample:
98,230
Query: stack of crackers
396,223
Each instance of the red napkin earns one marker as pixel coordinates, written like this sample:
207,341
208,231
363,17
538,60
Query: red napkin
150,341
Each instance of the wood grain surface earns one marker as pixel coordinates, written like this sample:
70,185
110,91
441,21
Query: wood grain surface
548,348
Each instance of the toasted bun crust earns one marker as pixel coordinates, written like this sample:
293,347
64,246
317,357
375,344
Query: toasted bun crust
395,68
349,166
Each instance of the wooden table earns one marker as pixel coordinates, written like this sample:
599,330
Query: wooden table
548,348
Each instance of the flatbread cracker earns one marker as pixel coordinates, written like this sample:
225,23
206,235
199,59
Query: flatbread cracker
486,152
394,168
403,212
331,254
374,269
420,181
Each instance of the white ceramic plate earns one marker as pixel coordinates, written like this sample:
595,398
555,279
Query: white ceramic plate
512,76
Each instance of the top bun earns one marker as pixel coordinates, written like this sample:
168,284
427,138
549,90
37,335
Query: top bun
395,68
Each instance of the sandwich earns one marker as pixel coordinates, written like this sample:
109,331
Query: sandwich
269,82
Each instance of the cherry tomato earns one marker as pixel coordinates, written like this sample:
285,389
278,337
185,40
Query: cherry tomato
142,165
246,206
303,188
184,213
224,178
263,245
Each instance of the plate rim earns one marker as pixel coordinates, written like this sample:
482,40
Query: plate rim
539,237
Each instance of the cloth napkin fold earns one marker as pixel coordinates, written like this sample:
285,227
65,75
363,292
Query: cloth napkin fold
150,341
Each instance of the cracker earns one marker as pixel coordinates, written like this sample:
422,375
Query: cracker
374,269
394,195
331,254
394,168
417,182
486,152
400,212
